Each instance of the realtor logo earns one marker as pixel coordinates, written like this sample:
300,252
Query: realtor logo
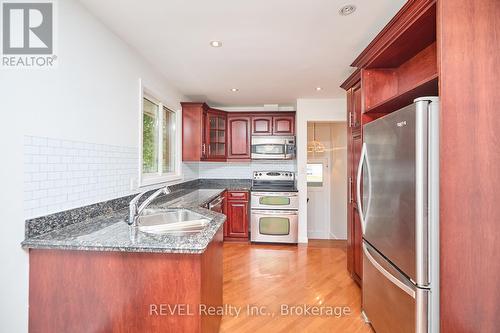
28,34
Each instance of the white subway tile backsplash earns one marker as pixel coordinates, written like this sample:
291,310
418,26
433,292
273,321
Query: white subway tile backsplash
242,170
64,174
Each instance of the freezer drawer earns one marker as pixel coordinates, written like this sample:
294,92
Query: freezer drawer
390,301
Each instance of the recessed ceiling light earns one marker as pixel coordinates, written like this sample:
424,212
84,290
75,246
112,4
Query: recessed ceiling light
216,43
347,10
234,89
319,88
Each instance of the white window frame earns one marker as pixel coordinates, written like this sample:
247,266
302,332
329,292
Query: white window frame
148,179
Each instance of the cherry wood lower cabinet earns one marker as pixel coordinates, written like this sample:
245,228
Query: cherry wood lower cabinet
90,291
237,211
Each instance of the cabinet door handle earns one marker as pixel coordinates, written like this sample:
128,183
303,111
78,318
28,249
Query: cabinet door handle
203,149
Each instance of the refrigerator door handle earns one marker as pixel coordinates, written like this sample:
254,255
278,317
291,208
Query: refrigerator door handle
388,275
362,159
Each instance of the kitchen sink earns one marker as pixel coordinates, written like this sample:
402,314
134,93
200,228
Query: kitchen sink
167,221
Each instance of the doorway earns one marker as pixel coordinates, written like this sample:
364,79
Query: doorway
327,180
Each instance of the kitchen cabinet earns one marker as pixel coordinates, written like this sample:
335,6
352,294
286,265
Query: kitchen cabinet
262,125
415,55
194,118
81,290
355,109
239,133
284,125
215,136
274,124
203,133
237,213
355,235
354,145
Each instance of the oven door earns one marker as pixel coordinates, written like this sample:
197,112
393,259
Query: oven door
274,226
275,200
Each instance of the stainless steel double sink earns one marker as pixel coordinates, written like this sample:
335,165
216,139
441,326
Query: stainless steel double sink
170,221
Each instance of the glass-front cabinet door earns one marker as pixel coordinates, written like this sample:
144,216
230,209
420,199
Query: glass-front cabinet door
216,135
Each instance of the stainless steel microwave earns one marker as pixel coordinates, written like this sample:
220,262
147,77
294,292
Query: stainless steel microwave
273,147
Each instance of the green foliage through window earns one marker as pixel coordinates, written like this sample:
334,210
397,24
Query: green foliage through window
149,137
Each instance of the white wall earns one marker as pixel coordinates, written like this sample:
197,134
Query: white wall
91,97
311,110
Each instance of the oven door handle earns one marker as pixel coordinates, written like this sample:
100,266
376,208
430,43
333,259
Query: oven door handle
274,212
274,194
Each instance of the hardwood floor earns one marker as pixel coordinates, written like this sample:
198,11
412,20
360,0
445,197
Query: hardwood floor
271,275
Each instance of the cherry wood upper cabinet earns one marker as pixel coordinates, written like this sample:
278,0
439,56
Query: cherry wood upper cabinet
355,108
194,118
273,124
215,135
203,133
262,125
239,128
283,125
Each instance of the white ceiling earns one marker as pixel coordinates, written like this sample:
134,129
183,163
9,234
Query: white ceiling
274,51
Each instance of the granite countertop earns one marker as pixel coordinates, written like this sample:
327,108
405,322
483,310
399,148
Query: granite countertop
110,232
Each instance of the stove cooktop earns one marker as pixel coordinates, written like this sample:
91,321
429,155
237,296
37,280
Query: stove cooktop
273,181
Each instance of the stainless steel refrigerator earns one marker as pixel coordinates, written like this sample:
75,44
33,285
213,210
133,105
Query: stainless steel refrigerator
398,179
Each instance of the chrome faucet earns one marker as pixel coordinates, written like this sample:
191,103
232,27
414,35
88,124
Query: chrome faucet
135,211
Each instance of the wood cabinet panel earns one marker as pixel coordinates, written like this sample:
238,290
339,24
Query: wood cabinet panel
92,291
388,89
237,212
239,137
224,211
411,30
469,156
283,125
237,195
357,245
262,125
193,131
356,108
238,215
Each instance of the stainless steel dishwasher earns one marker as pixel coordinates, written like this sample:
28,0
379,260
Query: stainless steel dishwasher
216,204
